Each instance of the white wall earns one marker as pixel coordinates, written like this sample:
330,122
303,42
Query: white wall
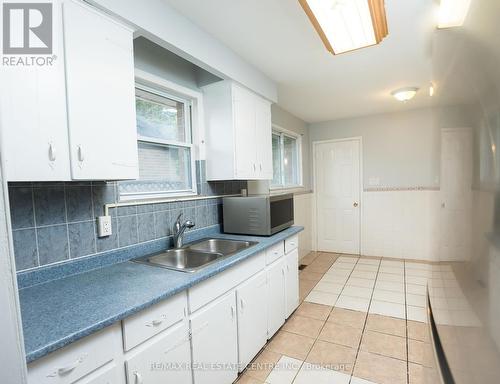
401,169
303,216
399,149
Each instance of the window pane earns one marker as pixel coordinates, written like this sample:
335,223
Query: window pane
159,117
290,161
276,160
162,168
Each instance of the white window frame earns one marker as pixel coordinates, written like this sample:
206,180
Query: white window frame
193,104
276,129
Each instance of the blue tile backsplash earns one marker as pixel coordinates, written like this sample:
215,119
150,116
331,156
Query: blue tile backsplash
54,222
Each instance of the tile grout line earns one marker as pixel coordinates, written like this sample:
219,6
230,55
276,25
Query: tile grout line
366,319
319,333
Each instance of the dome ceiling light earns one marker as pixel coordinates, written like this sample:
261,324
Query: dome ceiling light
404,94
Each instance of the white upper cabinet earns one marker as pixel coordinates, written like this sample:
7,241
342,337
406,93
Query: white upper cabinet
101,95
33,122
74,119
238,133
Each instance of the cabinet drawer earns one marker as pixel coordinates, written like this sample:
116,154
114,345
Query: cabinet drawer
216,286
274,253
291,243
164,359
76,360
106,375
145,324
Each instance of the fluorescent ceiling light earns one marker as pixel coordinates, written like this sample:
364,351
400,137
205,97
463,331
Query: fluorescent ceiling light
404,94
452,13
345,25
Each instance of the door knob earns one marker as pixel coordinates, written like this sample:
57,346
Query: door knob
355,204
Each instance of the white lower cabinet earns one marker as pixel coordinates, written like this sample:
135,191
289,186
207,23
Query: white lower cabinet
164,359
232,316
275,296
214,342
252,317
291,282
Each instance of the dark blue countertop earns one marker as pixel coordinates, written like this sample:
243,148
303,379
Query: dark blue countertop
60,312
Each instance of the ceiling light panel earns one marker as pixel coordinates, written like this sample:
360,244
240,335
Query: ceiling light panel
346,25
452,13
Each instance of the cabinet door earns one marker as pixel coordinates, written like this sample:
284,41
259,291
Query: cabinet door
100,95
244,134
252,317
263,132
214,342
275,296
292,281
165,360
33,117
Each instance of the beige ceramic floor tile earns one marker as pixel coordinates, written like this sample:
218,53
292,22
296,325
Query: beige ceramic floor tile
314,374
418,331
262,365
245,378
332,356
318,267
386,324
303,326
305,287
386,345
291,344
380,369
285,371
314,311
345,316
420,353
323,298
309,258
307,274
341,334
419,374
325,286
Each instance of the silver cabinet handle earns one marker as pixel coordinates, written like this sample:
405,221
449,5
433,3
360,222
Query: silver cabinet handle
52,152
80,153
260,165
138,378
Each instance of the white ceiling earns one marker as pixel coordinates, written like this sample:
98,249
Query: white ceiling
277,38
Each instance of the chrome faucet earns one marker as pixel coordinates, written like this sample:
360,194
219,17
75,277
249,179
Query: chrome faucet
179,229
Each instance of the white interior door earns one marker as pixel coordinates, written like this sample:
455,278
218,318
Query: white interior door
337,171
456,184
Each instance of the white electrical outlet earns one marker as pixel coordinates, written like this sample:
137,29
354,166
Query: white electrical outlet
104,226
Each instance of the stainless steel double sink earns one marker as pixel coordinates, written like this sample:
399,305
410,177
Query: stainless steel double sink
196,255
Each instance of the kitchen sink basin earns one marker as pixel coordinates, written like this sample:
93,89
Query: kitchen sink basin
197,255
226,247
